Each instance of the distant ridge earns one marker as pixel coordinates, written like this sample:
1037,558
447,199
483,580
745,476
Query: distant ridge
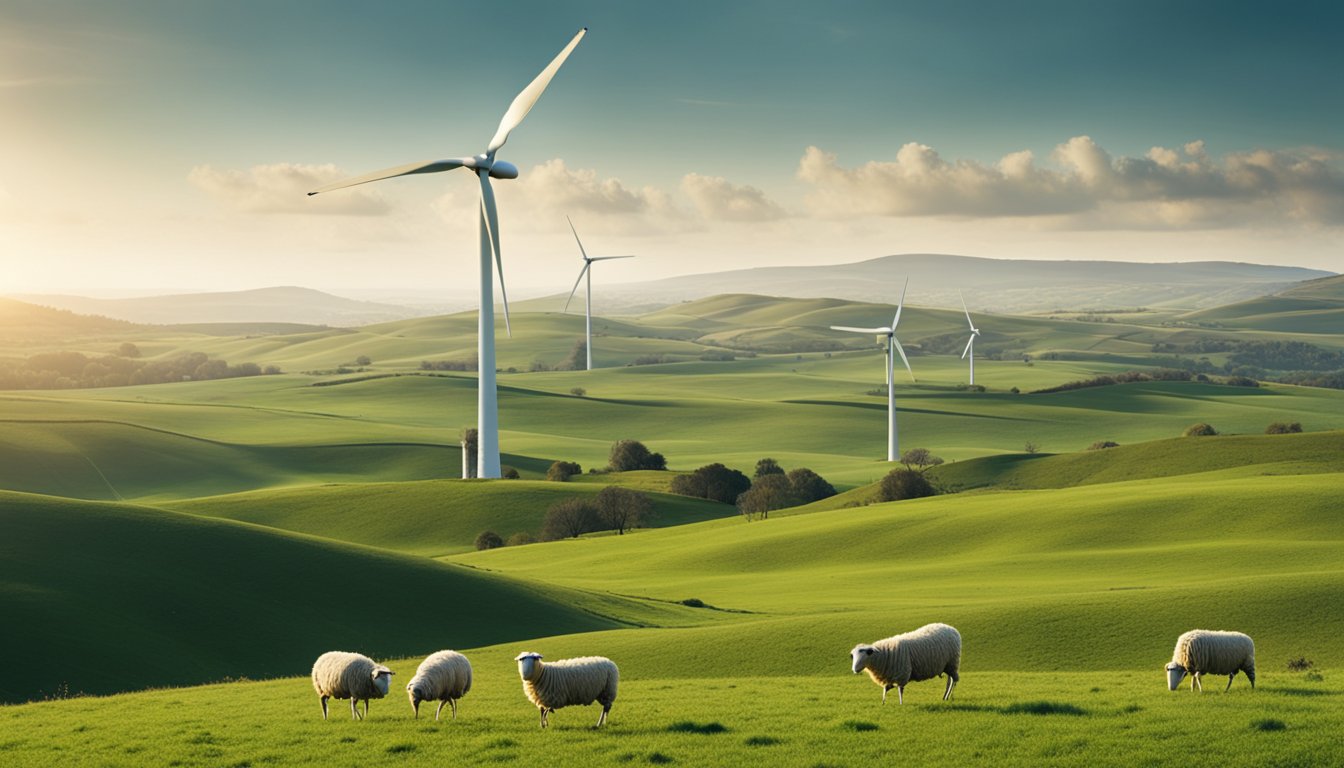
283,304
993,285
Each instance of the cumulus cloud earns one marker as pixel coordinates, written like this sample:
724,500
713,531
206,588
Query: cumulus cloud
715,198
284,187
1085,186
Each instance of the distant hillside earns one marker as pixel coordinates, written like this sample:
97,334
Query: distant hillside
22,324
991,285
263,305
1313,306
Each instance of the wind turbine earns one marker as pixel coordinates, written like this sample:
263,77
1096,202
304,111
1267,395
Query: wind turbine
588,291
893,343
485,166
970,343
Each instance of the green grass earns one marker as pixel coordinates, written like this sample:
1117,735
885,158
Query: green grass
428,518
835,719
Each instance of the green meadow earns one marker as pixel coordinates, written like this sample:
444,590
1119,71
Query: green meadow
175,555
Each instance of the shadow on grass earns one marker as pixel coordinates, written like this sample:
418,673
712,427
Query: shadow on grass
1302,692
686,726
1020,708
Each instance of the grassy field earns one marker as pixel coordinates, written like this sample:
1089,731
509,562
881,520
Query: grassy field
203,531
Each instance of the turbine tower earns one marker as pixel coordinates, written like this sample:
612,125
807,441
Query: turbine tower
970,343
588,291
486,167
892,343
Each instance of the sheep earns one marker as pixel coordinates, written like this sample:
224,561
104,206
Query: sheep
353,676
1201,651
445,677
928,652
568,681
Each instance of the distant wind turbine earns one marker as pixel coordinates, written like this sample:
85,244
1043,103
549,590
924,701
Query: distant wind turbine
485,166
970,343
893,343
588,291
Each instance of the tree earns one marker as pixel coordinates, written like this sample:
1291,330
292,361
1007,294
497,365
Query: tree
900,484
712,481
1101,445
768,467
578,391
627,455
363,360
808,486
772,491
127,349
577,360
1280,428
920,458
568,519
488,540
621,508
561,471
1031,447
1199,430
520,538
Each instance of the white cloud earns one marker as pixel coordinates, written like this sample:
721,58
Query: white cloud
1087,187
715,198
284,187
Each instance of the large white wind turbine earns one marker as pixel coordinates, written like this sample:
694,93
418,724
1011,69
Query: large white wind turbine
485,166
893,343
970,343
588,291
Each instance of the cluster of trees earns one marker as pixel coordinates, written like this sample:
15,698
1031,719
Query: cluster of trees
771,488
72,370
613,509
630,455
448,365
1282,428
909,482
1160,374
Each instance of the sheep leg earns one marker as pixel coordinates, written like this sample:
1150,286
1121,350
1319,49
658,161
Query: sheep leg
603,718
324,707
437,711
947,694
1229,682
354,708
543,717
453,703
884,692
366,708
1250,675
1195,681
900,694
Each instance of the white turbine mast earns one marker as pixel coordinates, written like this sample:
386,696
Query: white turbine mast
970,343
486,167
893,344
588,291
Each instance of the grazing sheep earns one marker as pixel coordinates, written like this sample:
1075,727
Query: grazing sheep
1202,651
353,676
444,677
926,653
568,681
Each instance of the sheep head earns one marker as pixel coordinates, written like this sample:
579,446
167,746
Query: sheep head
382,678
1175,673
860,656
529,665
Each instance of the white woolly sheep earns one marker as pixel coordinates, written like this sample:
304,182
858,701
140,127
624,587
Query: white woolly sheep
1204,651
928,652
444,676
568,681
353,676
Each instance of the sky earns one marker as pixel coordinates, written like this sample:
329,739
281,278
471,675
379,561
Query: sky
149,146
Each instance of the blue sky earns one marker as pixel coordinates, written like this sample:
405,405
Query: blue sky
159,145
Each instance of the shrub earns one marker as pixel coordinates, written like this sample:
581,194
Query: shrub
1102,444
901,484
363,360
1300,664
712,481
488,540
508,473
621,508
520,538
570,518
1242,381
561,471
1199,430
578,391
920,458
1279,428
627,455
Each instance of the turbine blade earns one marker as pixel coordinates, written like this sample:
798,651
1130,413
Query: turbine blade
860,330
428,166
609,258
899,305
967,311
576,238
576,286
522,103
895,342
491,217
969,342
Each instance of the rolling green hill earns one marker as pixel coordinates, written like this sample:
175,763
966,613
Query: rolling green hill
100,598
1315,306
